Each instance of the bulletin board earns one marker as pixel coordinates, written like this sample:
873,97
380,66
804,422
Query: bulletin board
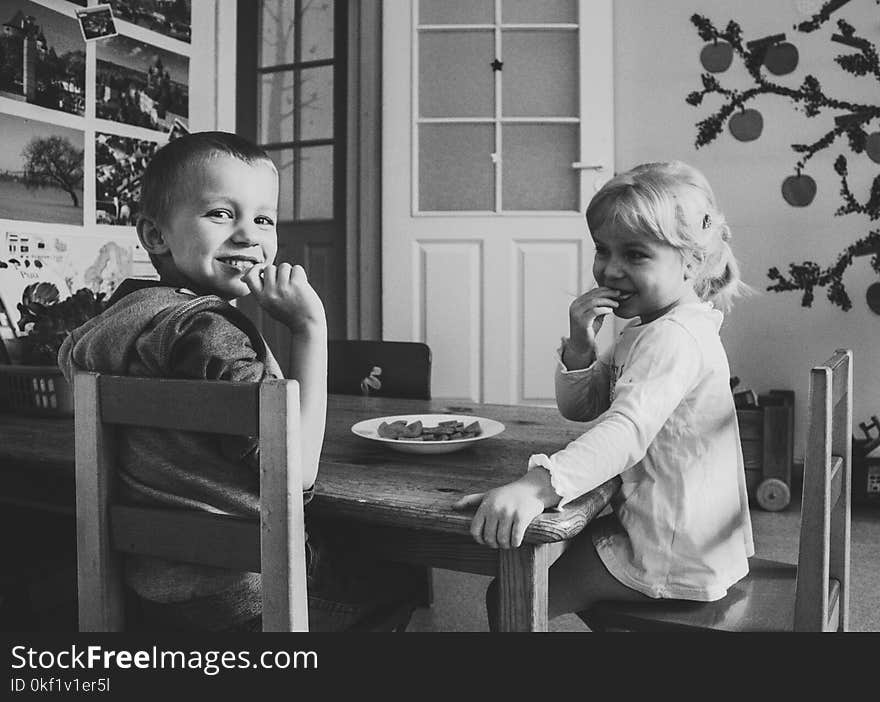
88,92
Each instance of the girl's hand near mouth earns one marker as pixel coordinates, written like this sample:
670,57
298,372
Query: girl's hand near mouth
585,316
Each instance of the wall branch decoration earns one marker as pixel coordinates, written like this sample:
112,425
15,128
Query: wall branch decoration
852,127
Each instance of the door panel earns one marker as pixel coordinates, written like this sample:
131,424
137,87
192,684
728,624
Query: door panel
449,316
497,128
541,310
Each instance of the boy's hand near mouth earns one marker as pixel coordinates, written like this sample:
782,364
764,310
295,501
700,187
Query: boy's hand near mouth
285,293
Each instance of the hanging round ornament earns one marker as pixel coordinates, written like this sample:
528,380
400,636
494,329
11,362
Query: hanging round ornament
873,297
781,58
799,190
746,125
872,147
717,56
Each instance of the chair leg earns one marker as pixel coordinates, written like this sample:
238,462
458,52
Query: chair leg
426,590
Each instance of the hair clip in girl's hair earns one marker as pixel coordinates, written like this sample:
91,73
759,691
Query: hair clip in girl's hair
707,221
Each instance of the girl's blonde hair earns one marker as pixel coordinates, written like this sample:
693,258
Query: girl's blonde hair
675,203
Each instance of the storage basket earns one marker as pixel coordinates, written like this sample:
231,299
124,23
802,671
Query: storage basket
35,390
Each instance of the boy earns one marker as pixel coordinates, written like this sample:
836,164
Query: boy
207,220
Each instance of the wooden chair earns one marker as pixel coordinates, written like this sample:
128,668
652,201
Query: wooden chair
382,368
810,596
107,529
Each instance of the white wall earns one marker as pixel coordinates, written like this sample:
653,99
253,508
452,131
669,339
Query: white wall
772,341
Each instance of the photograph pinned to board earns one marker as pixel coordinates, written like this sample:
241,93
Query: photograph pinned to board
119,164
96,22
41,171
33,34
173,19
141,84
177,130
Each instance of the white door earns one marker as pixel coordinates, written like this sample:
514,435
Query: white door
497,128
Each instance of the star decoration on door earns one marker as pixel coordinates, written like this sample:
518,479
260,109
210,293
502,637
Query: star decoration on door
496,65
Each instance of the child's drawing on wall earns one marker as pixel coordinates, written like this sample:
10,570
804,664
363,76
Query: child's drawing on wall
70,262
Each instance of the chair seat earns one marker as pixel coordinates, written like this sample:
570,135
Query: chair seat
762,601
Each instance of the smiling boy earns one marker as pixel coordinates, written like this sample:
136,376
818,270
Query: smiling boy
208,222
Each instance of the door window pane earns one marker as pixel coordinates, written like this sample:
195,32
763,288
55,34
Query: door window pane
525,11
459,108
284,162
455,167
277,116
456,11
316,109
277,105
277,38
455,74
314,183
278,20
540,75
317,30
536,170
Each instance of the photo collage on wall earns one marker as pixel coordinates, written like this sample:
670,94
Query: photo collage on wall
59,221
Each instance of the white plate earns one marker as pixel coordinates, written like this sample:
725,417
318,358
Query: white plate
368,429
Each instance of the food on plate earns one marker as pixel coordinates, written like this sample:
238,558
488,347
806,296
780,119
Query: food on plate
415,431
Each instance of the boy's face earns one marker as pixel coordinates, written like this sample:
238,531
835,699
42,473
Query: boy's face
650,275
222,223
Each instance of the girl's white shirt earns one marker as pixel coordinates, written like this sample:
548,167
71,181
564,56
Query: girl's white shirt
663,419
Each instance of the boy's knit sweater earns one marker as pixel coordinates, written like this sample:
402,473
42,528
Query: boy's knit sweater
153,330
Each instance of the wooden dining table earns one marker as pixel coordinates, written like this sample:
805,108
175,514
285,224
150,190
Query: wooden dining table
396,505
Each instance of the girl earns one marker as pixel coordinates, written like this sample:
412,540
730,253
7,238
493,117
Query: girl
664,414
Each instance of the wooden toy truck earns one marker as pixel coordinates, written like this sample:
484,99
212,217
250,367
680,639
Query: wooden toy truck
767,436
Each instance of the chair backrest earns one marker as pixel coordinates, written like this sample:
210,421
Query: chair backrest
107,529
824,550
382,368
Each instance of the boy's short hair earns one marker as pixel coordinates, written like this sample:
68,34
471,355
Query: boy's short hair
161,180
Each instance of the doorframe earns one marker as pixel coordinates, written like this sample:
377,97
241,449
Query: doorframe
364,171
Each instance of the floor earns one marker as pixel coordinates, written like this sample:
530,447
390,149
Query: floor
458,597
46,603
37,571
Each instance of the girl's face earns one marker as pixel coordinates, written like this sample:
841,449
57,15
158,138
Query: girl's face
650,275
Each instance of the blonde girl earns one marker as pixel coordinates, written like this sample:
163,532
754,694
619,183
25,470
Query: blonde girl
659,405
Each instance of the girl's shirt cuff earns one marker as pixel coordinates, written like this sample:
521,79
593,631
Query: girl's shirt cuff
542,460
560,364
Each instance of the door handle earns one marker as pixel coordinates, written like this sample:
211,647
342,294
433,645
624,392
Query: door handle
588,166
